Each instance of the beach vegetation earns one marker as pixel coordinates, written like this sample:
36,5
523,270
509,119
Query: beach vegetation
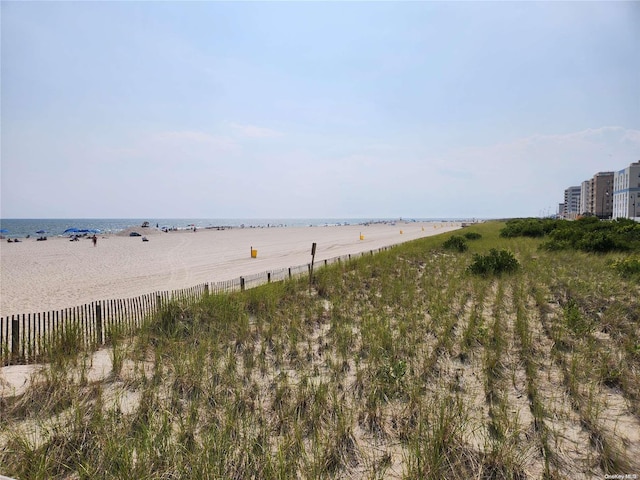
495,262
456,243
398,365
628,267
472,235
587,234
527,227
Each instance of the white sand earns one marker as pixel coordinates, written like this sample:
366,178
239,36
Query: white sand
56,274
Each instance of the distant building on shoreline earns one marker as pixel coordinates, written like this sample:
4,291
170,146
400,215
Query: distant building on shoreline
605,195
601,199
626,192
571,203
585,195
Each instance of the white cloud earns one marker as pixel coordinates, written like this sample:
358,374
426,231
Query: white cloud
632,137
191,139
253,131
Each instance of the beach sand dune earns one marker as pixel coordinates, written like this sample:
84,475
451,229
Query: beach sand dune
56,274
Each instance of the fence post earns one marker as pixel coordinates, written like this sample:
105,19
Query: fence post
28,351
15,340
289,273
99,323
268,277
158,301
313,258
38,342
242,284
206,289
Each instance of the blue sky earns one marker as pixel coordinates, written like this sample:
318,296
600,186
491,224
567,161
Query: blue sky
312,109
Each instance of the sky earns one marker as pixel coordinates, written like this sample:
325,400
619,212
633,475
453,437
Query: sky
312,109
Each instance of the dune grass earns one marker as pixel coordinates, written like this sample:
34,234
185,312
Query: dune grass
399,365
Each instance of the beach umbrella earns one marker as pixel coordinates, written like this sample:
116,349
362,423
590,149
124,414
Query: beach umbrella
71,230
41,231
4,230
93,230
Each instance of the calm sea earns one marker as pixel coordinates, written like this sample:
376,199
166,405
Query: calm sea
19,227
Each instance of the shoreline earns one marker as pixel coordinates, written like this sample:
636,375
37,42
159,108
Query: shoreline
40,276
24,227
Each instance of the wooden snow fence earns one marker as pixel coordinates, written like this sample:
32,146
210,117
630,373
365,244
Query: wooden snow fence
30,338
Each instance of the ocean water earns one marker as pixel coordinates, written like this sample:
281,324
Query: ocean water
20,228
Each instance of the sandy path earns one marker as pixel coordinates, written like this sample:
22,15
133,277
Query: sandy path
43,276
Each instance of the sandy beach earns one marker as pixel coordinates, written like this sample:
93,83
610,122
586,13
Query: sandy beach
57,273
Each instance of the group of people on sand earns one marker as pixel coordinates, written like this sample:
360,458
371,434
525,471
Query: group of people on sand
74,238
17,240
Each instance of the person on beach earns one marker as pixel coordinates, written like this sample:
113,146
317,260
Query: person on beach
94,239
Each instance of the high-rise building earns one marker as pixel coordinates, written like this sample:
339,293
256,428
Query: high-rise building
601,198
571,203
626,192
585,194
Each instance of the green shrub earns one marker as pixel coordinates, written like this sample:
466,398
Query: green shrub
554,245
472,236
526,227
588,234
566,234
494,263
599,242
628,267
455,242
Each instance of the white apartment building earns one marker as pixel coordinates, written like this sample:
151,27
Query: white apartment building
626,192
585,195
571,203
